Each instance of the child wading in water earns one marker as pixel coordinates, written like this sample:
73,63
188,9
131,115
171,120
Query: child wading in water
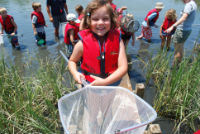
104,59
9,26
170,19
150,21
79,9
71,32
38,24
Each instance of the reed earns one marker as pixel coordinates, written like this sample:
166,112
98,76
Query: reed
178,88
29,104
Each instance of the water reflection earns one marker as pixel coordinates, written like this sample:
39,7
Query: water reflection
143,52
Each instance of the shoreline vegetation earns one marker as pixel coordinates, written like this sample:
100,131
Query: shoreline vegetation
177,88
28,104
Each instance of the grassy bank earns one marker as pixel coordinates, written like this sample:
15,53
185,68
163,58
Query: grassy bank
29,104
178,88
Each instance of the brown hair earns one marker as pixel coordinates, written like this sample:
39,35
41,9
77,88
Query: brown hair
94,5
171,14
36,5
79,8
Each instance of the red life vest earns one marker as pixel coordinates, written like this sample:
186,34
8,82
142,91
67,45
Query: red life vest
7,25
113,6
149,13
69,27
80,17
93,62
40,17
167,23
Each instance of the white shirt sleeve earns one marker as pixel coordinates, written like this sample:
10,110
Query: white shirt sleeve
34,19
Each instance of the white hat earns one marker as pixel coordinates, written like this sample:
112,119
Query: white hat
71,17
159,5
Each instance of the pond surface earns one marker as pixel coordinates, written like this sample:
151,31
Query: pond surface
21,10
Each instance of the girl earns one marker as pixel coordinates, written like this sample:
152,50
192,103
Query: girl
150,21
170,19
71,32
104,60
79,9
38,24
9,26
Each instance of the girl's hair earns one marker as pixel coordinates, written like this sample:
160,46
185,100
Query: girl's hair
79,8
2,10
94,5
171,14
36,5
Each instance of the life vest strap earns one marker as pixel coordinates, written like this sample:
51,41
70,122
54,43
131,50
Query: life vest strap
98,75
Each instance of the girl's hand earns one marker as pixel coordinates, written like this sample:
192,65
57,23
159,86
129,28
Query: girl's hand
1,32
98,81
169,29
77,77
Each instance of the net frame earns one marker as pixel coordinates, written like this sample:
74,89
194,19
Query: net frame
129,24
120,131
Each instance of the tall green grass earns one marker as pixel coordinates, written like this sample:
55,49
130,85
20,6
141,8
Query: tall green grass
178,88
29,104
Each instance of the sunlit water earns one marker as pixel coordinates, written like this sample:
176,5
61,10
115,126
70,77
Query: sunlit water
21,10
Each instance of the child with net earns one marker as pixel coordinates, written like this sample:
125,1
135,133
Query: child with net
101,48
9,26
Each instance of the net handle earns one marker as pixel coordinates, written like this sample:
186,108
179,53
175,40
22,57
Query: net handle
84,82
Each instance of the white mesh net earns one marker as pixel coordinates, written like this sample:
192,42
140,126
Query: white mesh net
104,110
129,24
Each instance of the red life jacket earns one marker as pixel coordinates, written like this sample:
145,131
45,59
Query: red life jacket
80,17
113,6
40,17
149,13
67,28
98,63
167,23
7,25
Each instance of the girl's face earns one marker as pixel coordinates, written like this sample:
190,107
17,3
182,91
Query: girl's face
4,14
38,9
100,21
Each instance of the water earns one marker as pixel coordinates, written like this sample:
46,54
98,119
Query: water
21,10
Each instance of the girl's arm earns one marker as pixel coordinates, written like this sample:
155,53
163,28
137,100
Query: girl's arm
71,36
118,74
1,32
81,24
49,13
75,57
34,29
181,20
15,26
